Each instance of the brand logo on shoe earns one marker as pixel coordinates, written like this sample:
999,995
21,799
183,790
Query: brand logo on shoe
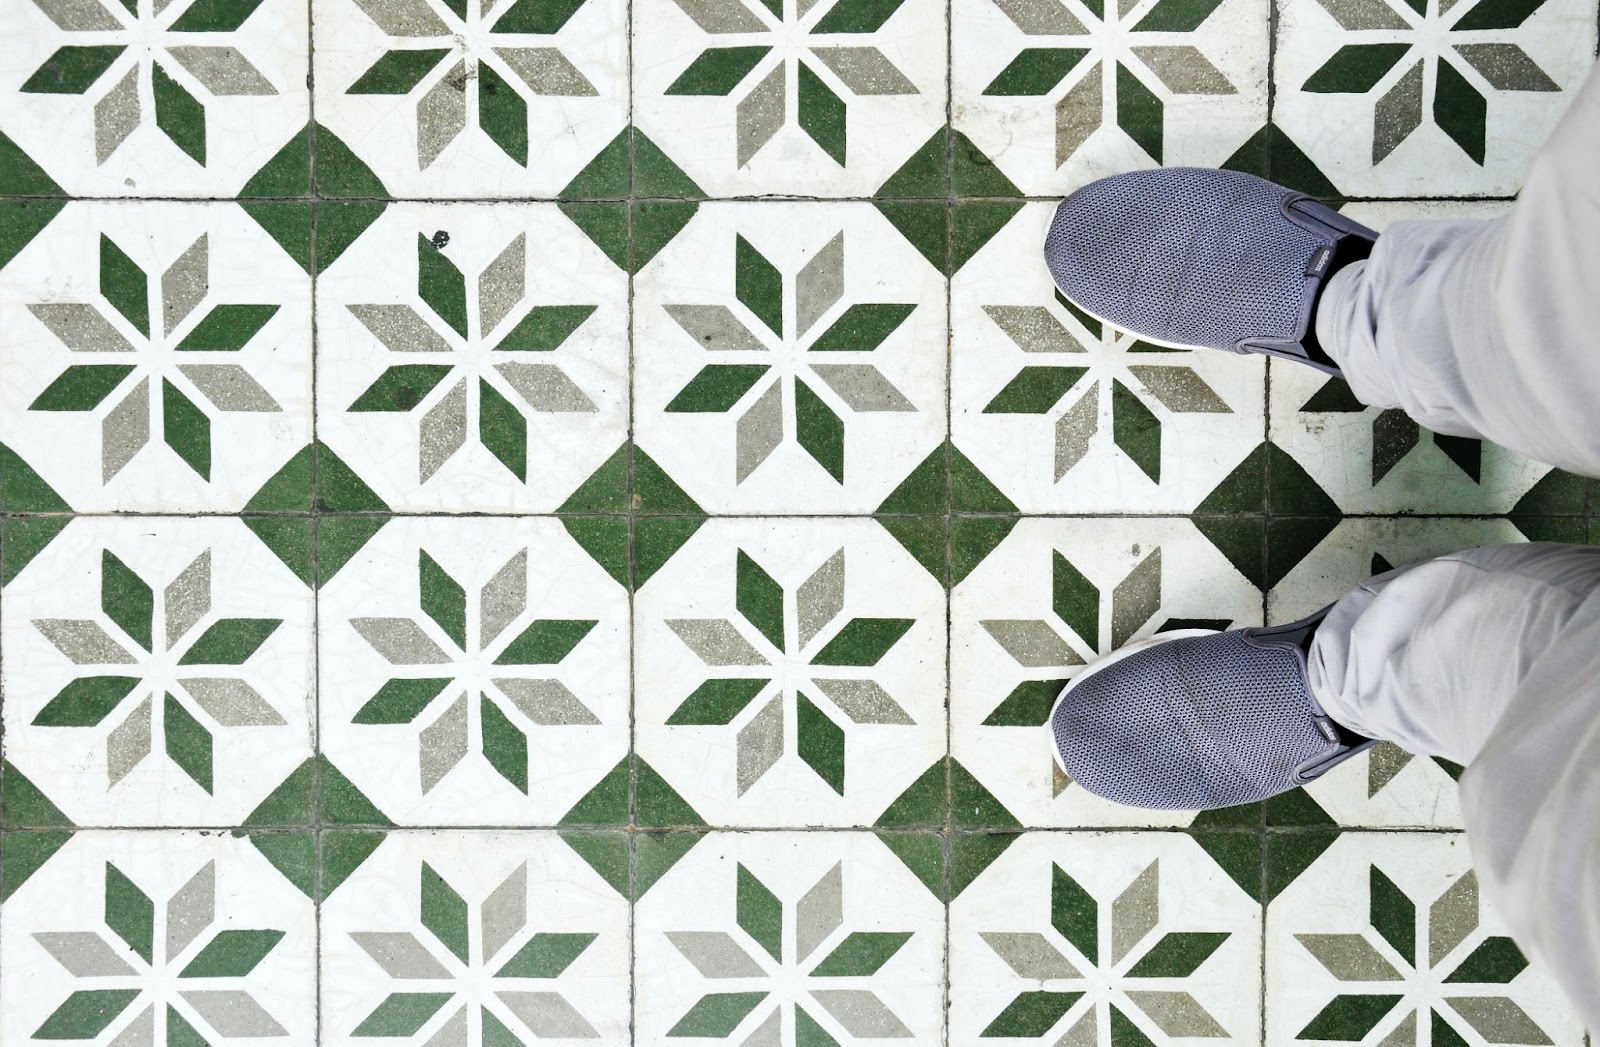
1319,261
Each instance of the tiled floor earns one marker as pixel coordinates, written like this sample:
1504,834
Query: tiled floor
560,520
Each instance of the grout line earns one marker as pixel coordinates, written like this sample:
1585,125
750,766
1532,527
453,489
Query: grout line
821,516
632,586
316,530
524,201
3,544
946,839
1266,551
1262,898
632,831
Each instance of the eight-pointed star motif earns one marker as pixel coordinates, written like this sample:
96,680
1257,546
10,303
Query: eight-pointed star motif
459,43
181,352
1481,35
480,658
791,80
168,47
1128,380
794,351
1126,47
1474,989
1139,970
1036,644
807,656
208,988
178,674
497,988
496,356
839,983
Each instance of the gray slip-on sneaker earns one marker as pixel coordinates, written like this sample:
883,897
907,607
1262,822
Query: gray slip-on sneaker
1196,719
1191,258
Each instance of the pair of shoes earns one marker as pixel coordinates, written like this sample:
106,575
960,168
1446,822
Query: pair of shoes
1194,258
1196,719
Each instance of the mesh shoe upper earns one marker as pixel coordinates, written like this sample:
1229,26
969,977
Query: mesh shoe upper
1190,256
1195,723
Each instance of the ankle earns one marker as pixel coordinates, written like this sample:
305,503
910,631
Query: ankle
1348,251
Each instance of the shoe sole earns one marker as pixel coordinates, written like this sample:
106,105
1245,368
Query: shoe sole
1107,662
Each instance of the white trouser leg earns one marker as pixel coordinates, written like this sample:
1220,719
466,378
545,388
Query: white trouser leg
1491,658
1489,328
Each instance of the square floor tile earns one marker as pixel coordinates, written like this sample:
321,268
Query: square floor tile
797,98
1427,99
475,672
472,99
471,937
1090,938
158,671
1066,414
790,672
1386,939
1061,92
789,358
473,358
789,938
157,357
1371,460
158,937
1387,787
153,99
1358,548
1053,596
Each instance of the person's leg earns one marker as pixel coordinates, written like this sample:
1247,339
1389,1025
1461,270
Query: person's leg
1491,658
1489,328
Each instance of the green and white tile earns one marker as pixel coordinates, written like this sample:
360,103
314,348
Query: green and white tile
1388,939
1066,414
1420,98
472,99
158,671
1372,460
475,938
1388,787
1361,547
481,361
474,672
1094,938
762,97
158,357
1051,598
153,98
1061,92
140,938
789,358
789,938
790,673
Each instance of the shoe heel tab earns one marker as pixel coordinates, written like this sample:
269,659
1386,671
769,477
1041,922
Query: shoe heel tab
1319,219
1318,766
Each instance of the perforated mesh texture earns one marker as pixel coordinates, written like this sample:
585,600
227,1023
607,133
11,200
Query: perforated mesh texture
1190,724
1185,255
